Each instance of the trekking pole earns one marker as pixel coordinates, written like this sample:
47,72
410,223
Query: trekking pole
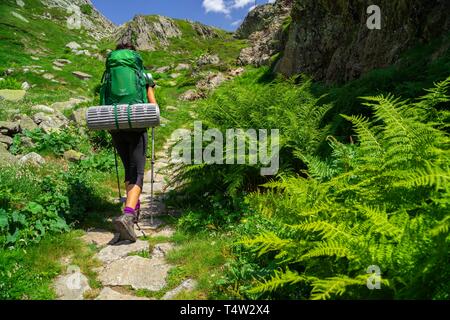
117,174
152,173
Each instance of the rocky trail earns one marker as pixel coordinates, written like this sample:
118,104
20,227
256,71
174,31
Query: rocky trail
126,266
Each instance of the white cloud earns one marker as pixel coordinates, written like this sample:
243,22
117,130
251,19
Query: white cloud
242,3
251,8
215,6
271,1
236,23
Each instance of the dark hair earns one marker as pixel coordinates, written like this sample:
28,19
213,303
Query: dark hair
124,45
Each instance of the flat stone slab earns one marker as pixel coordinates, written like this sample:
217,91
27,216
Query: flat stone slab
12,95
137,272
71,286
110,294
187,285
120,250
100,237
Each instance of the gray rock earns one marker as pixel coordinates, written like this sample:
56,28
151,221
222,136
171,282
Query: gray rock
120,250
64,105
110,294
162,69
25,86
48,76
27,142
186,285
12,95
79,116
175,75
99,237
81,75
183,66
236,72
61,62
190,95
32,158
73,45
9,71
42,108
10,127
212,81
25,122
73,156
8,141
161,249
207,59
137,272
6,158
171,108
71,286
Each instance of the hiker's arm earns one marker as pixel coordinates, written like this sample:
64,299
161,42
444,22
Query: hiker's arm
151,95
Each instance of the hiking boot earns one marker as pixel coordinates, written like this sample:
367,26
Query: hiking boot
137,213
125,226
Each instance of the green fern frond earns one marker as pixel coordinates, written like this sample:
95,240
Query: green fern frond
329,249
278,280
324,289
265,243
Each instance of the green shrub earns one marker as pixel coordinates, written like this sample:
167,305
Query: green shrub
381,202
55,142
10,83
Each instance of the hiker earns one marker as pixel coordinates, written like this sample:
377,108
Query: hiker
128,84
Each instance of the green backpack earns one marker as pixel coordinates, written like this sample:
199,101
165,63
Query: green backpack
124,79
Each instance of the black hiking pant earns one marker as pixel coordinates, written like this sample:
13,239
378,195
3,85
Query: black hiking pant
132,148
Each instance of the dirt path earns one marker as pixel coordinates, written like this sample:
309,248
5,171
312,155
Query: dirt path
128,265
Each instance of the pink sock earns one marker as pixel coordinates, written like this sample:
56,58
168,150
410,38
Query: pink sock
128,211
138,206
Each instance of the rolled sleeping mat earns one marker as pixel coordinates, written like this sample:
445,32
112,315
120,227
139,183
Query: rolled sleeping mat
123,116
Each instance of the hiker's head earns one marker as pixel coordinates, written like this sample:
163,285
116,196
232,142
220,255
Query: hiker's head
124,45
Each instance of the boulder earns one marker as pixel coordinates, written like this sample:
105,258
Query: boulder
207,59
73,45
9,127
183,66
42,108
25,122
190,95
32,158
64,105
212,81
237,72
12,95
71,286
81,75
79,116
6,140
5,156
73,156
171,108
175,75
61,62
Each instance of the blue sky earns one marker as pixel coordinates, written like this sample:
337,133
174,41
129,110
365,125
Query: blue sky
225,14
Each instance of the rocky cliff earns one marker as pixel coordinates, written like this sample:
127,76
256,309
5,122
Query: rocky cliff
264,27
149,33
95,23
330,40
